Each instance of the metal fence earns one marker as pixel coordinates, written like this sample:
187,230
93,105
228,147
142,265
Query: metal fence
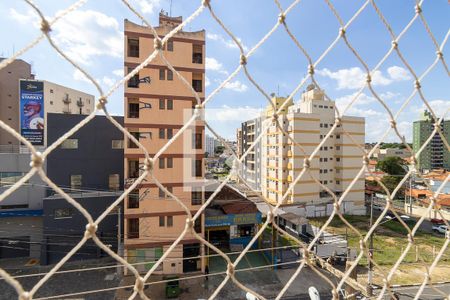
309,259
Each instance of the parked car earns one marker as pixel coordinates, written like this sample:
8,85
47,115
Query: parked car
437,221
440,228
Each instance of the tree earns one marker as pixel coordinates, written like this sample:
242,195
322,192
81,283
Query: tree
393,165
391,182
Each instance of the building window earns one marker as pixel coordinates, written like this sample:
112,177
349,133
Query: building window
133,199
197,141
133,47
338,147
133,110
338,182
75,181
170,162
338,159
63,213
169,104
133,228
338,136
132,144
196,197
162,133
70,144
161,221
169,133
161,193
113,182
133,168
134,81
198,168
197,54
169,221
169,75
162,74
169,45
197,82
117,144
9,178
161,163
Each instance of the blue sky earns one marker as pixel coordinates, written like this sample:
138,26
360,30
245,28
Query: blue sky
93,36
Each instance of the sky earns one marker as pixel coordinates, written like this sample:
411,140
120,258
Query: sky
93,36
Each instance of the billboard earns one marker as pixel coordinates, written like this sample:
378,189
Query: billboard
233,219
32,111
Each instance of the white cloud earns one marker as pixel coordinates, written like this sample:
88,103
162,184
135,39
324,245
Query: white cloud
398,73
439,107
108,81
118,72
78,76
24,19
85,34
236,86
148,6
362,99
207,81
354,78
233,114
82,34
229,43
214,65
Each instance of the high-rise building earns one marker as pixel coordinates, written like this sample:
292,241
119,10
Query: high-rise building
251,166
210,145
25,102
435,155
157,104
335,165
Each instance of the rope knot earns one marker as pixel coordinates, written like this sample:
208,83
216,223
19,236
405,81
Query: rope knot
189,223
337,207
410,238
139,285
310,69
157,43
342,32
281,18
206,3
439,54
417,84
437,126
274,117
306,163
394,44
148,164
393,123
270,216
36,160
197,110
338,121
102,102
243,60
418,9
230,270
366,160
45,26
25,296
91,228
368,78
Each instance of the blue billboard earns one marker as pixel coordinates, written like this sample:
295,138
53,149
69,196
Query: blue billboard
233,219
32,111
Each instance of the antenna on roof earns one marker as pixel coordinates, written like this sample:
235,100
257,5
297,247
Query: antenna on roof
170,9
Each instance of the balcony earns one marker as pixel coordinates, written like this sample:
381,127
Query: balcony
197,58
289,178
80,103
289,153
66,99
289,166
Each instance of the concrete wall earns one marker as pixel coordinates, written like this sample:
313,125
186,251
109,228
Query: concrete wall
62,234
9,98
31,193
19,233
94,159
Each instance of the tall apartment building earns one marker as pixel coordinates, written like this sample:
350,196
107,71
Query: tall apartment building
335,165
25,102
9,98
210,144
156,106
251,166
435,155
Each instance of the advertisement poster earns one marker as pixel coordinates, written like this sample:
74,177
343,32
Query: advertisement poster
32,111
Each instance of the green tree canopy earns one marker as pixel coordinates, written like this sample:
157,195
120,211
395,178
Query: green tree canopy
393,165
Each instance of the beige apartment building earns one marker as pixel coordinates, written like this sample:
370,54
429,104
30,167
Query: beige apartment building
157,104
56,98
335,165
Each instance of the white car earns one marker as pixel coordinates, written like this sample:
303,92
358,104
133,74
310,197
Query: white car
440,228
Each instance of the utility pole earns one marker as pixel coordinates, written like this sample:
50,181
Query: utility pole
119,239
370,273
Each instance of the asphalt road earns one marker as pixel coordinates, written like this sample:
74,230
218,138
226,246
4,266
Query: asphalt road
427,294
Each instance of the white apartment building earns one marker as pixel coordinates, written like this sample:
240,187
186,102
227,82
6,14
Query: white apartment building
210,144
335,165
